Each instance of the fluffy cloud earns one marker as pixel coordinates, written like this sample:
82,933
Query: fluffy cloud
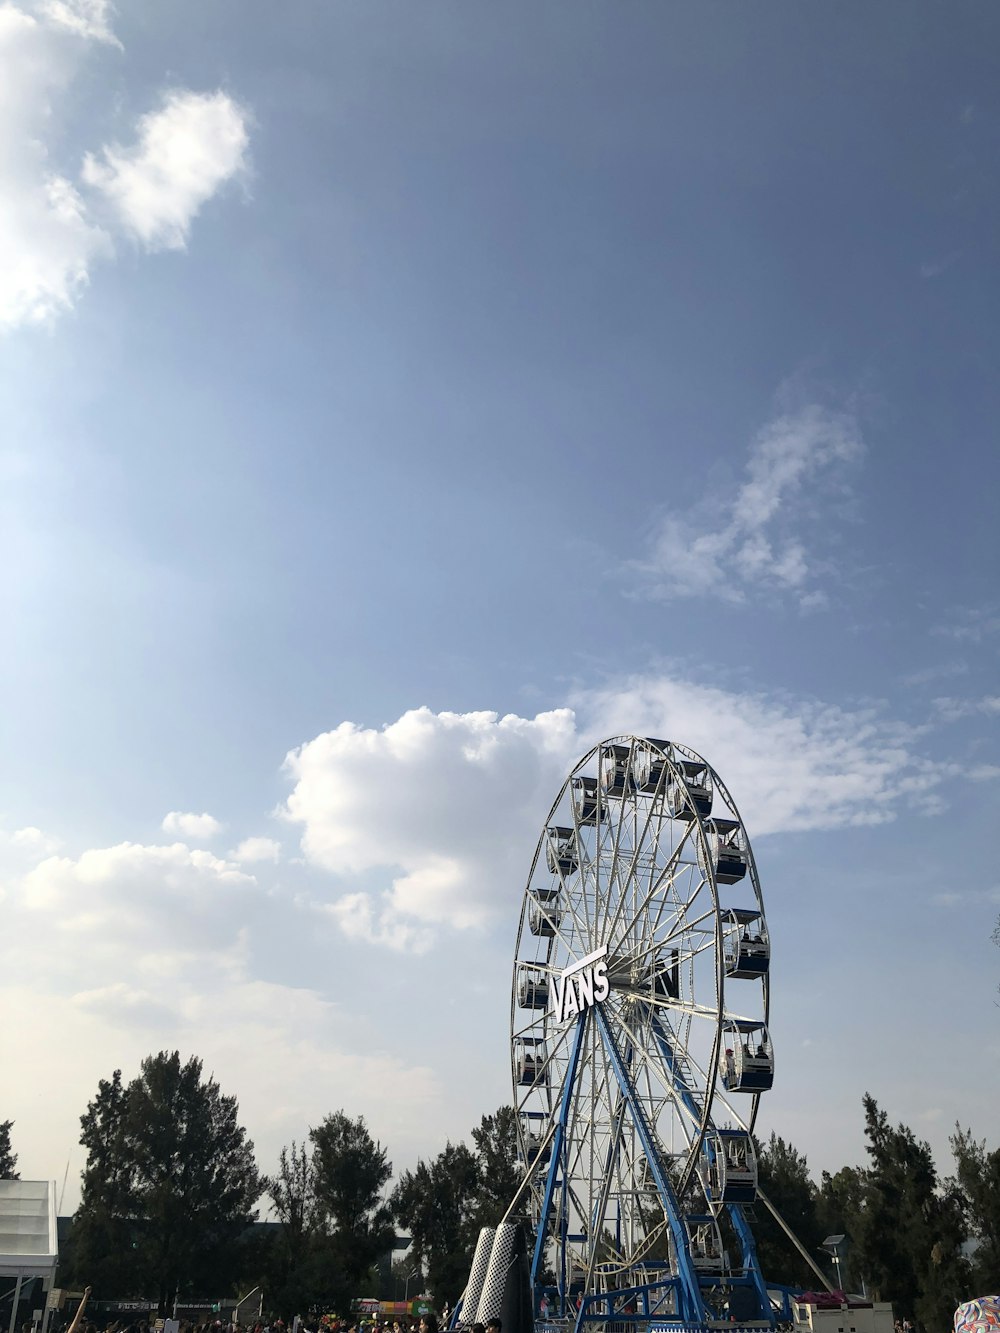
790,765
56,222
257,849
46,238
156,899
430,821
752,541
445,801
31,841
182,155
85,18
199,827
157,947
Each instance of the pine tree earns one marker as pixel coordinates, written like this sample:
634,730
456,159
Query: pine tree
105,1226
909,1233
500,1171
295,1276
437,1203
785,1179
979,1179
349,1172
169,1186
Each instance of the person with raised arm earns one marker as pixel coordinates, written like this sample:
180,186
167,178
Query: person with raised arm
79,1311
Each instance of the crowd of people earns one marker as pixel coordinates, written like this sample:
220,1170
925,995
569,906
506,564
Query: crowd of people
428,1323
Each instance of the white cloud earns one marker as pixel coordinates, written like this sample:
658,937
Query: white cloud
183,154
359,919
950,709
158,899
51,234
940,671
752,541
191,826
257,849
791,765
86,18
32,841
430,822
47,240
441,804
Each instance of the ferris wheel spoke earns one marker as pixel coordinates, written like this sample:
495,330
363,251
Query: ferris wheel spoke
655,888
628,872
665,1075
657,945
680,922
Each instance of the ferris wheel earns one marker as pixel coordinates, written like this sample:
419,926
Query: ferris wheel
639,1039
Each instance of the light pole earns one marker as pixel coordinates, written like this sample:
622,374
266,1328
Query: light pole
406,1289
833,1246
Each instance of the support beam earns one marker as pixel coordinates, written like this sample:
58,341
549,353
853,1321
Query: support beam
793,1238
696,1311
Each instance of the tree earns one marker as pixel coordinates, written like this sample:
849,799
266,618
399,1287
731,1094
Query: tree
349,1172
170,1183
784,1177
294,1278
500,1171
979,1179
839,1205
293,1196
909,1232
437,1203
8,1158
104,1232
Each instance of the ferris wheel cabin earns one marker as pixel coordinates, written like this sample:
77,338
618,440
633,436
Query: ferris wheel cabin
649,764
704,1240
562,855
544,914
747,1064
727,850
586,801
532,990
616,770
746,948
691,796
531,1062
533,1149
729,1166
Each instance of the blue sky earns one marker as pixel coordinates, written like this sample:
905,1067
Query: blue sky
557,370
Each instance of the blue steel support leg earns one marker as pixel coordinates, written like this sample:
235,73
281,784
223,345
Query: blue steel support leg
742,1227
751,1263
695,1312
558,1145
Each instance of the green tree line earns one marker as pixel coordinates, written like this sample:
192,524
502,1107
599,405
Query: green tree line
171,1189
